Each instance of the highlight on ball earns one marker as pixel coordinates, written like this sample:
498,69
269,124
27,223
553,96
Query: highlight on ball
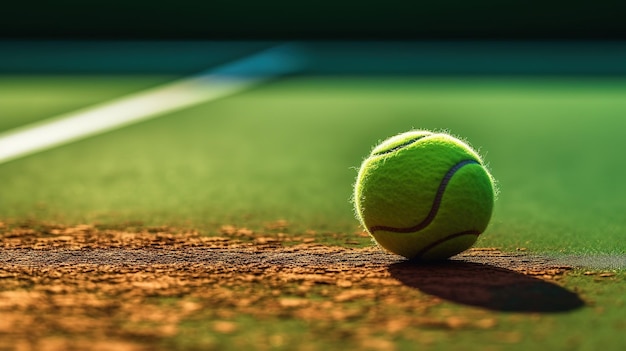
424,195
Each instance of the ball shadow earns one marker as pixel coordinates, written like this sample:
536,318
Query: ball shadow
486,286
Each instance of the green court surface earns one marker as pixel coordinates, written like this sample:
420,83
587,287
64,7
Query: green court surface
289,150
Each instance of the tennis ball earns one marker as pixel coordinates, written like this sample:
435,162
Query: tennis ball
424,195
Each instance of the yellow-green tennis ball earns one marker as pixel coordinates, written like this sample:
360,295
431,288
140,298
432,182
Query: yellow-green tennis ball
424,195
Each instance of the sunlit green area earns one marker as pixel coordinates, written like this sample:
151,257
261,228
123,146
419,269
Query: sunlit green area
290,149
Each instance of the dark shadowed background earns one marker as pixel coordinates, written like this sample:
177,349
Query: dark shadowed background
324,19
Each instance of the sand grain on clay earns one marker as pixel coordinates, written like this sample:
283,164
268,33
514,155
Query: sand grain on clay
86,244
254,258
101,284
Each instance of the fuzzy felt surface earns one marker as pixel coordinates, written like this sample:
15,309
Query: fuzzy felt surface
424,195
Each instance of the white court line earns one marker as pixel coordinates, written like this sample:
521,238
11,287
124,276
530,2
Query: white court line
210,85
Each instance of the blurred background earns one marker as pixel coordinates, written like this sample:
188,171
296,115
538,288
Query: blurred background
426,37
323,19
